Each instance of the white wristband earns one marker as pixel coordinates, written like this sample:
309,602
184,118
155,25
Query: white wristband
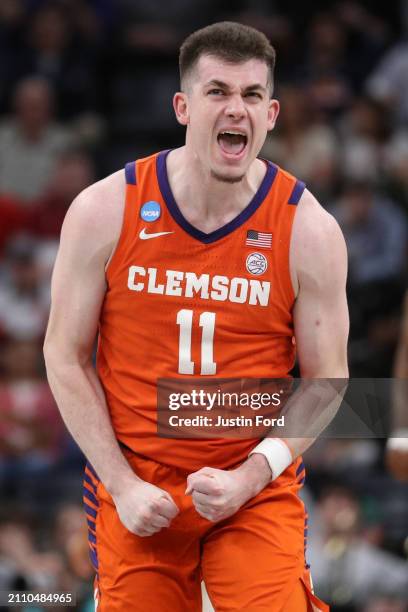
398,440
277,454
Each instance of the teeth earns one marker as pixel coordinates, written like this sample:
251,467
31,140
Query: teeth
233,133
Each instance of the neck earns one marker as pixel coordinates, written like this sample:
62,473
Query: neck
205,201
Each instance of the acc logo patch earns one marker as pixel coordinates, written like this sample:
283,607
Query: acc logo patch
150,211
256,263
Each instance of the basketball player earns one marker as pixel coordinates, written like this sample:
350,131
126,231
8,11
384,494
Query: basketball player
158,260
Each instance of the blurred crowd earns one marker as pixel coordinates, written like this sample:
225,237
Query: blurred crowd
86,85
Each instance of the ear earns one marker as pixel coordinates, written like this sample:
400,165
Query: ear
180,105
273,112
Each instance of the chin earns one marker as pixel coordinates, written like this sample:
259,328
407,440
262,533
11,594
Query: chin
223,177
227,173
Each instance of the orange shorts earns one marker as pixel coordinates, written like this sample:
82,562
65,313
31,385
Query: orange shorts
252,561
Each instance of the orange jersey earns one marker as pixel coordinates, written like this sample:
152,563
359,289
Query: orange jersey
181,303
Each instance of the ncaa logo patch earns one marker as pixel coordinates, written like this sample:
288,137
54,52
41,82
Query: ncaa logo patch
150,211
256,263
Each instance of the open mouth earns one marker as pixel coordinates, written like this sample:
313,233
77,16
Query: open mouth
232,142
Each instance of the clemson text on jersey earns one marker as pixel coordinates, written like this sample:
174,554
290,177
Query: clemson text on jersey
221,288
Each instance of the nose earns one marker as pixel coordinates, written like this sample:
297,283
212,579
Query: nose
235,108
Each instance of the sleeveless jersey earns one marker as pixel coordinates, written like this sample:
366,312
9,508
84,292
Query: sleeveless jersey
182,303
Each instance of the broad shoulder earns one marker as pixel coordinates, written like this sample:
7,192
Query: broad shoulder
318,248
94,219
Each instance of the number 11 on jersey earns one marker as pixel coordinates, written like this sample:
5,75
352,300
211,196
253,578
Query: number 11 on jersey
207,323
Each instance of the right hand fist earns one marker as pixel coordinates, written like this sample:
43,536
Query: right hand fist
144,509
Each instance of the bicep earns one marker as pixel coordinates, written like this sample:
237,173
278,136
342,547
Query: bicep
77,288
321,320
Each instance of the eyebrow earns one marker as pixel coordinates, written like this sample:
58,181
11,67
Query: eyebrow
221,84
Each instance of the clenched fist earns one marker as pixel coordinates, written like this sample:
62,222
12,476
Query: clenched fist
218,494
145,509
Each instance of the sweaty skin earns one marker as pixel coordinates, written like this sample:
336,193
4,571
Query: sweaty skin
221,96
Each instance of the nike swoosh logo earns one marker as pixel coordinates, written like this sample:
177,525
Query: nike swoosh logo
145,236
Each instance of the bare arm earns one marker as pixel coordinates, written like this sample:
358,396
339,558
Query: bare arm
77,292
88,238
321,323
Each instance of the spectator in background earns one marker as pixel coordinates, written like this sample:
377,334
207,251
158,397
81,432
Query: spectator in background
343,45
367,37
347,570
43,217
14,219
73,173
396,166
11,24
59,563
388,82
365,131
385,604
327,44
61,48
375,231
30,428
30,141
22,565
377,241
303,144
324,70
24,292
70,538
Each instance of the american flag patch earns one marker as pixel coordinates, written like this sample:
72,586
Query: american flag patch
261,240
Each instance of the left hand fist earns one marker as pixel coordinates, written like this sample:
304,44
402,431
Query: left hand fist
218,494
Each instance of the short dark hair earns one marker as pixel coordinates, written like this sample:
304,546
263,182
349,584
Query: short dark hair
229,41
